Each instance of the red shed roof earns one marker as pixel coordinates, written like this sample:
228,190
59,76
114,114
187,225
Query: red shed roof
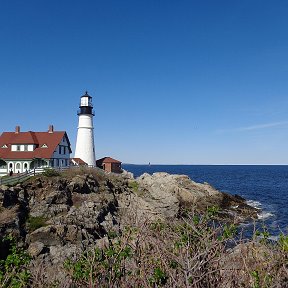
108,160
51,141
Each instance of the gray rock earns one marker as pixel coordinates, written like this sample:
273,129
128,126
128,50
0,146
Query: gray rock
47,235
59,253
3,187
127,174
35,248
102,243
79,184
58,197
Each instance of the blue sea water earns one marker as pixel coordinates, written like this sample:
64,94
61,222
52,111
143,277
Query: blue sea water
263,186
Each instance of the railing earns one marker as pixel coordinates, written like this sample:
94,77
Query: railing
20,177
16,178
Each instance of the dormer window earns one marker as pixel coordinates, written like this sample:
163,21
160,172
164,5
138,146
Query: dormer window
18,148
25,147
44,146
4,146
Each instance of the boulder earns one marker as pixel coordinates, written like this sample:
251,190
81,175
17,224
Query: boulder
53,235
79,184
35,248
164,194
152,197
58,197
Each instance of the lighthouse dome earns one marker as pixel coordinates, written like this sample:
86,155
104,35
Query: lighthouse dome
86,105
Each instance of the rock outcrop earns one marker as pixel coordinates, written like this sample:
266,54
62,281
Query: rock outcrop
55,217
162,195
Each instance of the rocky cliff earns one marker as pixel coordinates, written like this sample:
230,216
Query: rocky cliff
56,217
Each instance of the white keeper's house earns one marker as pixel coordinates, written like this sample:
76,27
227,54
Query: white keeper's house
23,151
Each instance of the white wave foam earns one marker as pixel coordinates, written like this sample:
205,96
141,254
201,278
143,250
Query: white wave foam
257,205
246,224
264,215
253,203
274,238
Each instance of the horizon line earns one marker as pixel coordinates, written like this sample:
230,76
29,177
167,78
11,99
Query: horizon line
157,164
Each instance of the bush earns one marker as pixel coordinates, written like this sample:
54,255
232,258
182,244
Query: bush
193,252
134,185
174,254
34,223
48,172
13,270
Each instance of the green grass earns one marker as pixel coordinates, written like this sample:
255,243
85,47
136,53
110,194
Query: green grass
34,223
134,185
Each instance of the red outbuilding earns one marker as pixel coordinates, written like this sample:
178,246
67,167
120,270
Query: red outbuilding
109,164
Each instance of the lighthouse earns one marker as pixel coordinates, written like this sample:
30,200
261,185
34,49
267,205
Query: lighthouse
85,136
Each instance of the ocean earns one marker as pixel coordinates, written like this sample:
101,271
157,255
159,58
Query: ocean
263,186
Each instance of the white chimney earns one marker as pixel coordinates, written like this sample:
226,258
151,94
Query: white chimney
51,129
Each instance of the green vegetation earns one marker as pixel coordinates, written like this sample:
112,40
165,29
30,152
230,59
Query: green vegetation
49,172
283,243
194,251
190,252
34,223
13,270
106,266
133,185
213,211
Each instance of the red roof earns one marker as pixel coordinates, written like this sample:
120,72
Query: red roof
108,160
37,138
78,161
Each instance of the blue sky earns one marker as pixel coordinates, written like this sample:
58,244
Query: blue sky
179,82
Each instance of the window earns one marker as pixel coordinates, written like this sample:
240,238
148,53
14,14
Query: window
18,166
18,148
44,146
4,146
25,147
60,149
2,164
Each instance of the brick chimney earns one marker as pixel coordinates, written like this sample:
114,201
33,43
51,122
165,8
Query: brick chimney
51,129
17,129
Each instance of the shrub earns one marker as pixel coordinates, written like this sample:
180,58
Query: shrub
134,185
34,223
104,267
154,254
13,270
48,172
191,252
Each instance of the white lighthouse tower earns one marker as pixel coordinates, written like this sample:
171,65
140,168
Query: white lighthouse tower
85,136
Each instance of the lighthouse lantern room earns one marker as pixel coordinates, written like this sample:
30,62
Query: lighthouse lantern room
85,149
